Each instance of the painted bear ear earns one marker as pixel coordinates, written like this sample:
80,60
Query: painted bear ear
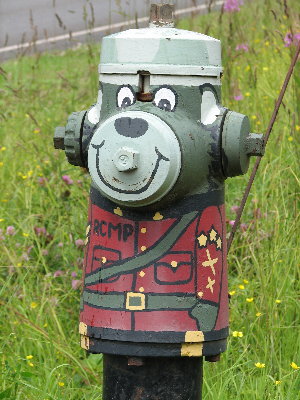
94,112
209,106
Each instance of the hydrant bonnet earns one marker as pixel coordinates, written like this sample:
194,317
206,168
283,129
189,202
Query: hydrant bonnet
168,51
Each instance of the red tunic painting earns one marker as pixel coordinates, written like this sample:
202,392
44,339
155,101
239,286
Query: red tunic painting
157,279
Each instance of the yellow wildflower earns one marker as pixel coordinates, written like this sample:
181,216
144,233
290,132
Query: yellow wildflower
25,234
245,281
267,43
1,219
254,117
277,382
30,357
45,325
277,301
36,131
3,148
249,299
294,365
247,68
258,314
290,138
247,94
61,384
242,287
30,364
297,128
19,264
237,334
1,163
232,292
265,69
260,365
33,304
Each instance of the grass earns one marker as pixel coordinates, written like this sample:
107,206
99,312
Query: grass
40,355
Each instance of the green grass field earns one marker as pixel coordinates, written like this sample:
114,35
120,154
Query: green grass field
41,218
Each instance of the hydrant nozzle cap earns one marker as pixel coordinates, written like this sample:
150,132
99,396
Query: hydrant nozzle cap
161,15
238,144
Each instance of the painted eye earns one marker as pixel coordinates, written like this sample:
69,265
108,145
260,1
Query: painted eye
125,97
165,98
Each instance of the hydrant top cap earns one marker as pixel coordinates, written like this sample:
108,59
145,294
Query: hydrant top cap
161,51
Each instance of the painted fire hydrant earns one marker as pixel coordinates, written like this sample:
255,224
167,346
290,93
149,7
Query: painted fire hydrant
158,145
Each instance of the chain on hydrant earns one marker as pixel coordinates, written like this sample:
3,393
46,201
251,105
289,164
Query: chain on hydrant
158,145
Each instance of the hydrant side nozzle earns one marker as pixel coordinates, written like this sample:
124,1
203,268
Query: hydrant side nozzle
69,138
59,138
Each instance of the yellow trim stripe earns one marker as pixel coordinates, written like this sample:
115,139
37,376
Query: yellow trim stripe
85,342
194,336
191,349
82,328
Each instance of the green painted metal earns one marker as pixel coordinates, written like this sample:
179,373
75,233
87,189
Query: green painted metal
238,144
70,137
162,51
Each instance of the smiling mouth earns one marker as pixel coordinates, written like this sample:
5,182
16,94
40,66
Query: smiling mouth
160,157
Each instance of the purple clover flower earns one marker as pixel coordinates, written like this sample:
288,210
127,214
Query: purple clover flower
58,273
42,181
232,5
10,230
235,209
76,283
67,179
238,97
79,243
242,46
40,231
243,227
290,39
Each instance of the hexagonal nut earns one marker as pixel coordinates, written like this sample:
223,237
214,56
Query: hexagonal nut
255,144
126,159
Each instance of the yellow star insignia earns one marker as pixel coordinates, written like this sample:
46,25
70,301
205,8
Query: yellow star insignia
210,262
212,235
118,211
210,284
219,243
202,239
157,216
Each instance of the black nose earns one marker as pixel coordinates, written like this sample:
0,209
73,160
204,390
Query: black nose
131,127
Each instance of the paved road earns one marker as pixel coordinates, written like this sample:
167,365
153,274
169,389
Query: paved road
57,24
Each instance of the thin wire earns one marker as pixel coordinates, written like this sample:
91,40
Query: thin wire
266,138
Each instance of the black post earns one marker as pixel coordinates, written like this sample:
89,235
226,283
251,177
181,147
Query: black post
152,378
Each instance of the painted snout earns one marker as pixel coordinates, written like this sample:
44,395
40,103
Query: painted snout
134,158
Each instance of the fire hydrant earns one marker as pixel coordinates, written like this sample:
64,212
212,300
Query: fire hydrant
158,145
